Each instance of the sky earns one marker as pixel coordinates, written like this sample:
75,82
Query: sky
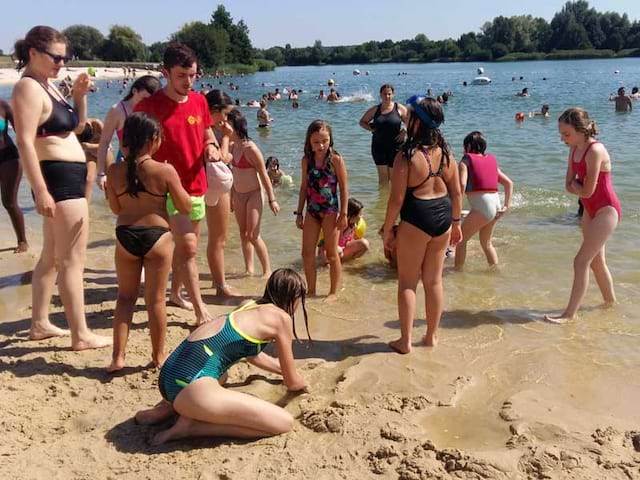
278,22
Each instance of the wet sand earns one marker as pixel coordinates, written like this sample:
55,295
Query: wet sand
504,396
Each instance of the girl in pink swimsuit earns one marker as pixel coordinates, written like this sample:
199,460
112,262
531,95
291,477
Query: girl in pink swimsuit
589,177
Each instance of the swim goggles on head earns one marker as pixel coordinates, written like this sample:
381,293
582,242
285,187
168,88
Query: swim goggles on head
414,103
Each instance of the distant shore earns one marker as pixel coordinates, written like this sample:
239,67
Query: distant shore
9,76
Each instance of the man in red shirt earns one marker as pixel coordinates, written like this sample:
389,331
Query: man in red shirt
187,142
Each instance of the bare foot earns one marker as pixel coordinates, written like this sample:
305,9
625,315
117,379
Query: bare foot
21,248
331,298
115,365
47,330
609,304
557,319
180,302
247,273
430,340
158,360
399,346
266,275
157,414
92,341
181,429
226,291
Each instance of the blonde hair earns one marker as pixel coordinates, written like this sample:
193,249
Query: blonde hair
579,119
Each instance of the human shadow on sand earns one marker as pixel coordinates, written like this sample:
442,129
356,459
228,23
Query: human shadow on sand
458,319
103,242
13,280
338,350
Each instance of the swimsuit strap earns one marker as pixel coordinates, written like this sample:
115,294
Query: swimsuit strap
124,109
247,306
47,89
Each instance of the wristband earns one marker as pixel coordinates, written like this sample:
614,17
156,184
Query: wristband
102,174
297,213
455,219
272,201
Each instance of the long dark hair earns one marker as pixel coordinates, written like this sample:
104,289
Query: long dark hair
139,130
217,100
426,135
238,123
283,288
147,82
40,38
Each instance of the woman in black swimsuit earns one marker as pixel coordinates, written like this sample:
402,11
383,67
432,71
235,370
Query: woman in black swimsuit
55,165
10,176
137,192
425,191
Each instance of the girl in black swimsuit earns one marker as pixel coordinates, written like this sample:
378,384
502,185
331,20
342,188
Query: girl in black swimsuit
425,191
137,192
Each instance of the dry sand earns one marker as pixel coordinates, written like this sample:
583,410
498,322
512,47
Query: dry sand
370,414
9,76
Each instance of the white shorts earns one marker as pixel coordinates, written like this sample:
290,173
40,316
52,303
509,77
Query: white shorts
220,180
487,204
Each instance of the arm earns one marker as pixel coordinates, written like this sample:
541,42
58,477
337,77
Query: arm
570,176
283,337
399,180
366,118
594,160
463,174
181,198
112,196
302,196
266,362
28,108
255,158
110,126
404,114
452,179
343,184
507,184
210,146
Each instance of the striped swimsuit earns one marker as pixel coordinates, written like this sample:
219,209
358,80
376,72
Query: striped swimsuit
207,357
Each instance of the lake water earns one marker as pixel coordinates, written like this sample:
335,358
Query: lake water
492,312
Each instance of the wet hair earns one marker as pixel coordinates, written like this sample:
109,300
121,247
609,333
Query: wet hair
579,119
263,103
39,37
634,90
385,86
317,126
475,143
354,207
620,90
272,160
545,107
424,135
284,287
238,123
149,83
139,129
178,55
218,100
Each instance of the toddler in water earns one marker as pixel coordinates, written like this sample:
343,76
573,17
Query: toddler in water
351,241
323,171
276,175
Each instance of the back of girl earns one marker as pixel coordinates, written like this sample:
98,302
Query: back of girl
137,192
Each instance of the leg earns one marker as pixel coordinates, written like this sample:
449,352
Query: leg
432,283
42,284
71,230
218,228
159,413
603,277
185,235
596,231
333,254
383,175
10,176
252,225
310,235
240,211
207,409
355,249
470,226
128,268
411,249
157,263
486,237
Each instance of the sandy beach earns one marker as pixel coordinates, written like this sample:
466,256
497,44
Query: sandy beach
9,76
477,407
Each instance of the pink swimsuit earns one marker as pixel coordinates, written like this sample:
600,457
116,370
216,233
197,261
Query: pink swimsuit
604,195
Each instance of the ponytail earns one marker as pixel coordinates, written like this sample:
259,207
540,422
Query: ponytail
139,130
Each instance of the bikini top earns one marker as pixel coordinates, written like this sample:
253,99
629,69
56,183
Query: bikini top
63,118
242,164
431,174
140,188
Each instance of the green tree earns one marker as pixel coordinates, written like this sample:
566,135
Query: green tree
84,41
123,44
156,51
209,43
276,55
240,49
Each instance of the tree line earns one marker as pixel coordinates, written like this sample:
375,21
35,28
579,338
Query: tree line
576,26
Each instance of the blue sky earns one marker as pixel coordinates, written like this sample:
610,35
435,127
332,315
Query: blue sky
300,23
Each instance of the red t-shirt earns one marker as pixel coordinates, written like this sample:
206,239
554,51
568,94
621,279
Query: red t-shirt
183,134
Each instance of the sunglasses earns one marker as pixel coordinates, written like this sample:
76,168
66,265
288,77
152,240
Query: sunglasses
56,58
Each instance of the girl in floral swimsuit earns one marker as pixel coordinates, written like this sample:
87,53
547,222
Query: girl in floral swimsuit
325,172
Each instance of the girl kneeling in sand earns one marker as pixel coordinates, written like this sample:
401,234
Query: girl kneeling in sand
137,192
192,377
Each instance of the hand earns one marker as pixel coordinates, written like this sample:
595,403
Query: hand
456,234
101,181
299,221
501,211
209,153
342,222
81,86
45,205
388,239
275,208
401,137
225,128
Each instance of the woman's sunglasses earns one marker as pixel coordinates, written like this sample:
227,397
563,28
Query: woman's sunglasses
56,58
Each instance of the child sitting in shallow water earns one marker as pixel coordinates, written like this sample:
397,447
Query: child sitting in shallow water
276,175
351,241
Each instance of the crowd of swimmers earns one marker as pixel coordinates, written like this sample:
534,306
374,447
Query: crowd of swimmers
185,158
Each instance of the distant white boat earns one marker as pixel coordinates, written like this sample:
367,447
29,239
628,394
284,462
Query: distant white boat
356,72
480,70
481,81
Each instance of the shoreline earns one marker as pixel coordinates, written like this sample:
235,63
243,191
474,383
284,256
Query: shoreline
10,76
